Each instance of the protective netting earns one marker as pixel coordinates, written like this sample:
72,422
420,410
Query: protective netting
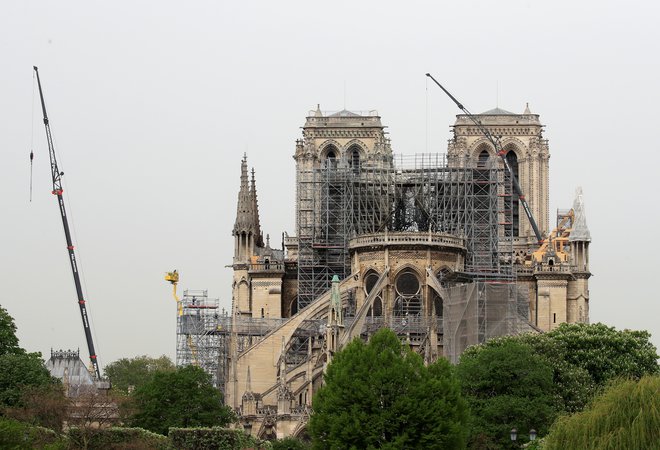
478,311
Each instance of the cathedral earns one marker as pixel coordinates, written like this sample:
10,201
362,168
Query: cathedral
437,247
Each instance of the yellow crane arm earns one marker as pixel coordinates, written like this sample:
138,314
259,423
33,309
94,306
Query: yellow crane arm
173,277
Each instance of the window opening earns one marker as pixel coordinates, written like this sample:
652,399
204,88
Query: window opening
512,159
482,162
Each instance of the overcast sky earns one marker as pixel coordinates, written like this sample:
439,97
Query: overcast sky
152,105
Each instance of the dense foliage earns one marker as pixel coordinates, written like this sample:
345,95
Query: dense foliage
18,435
585,357
507,386
290,443
45,406
380,395
181,398
8,338
215,438
18,368
604,352
582,359
131,373
625,416
119,438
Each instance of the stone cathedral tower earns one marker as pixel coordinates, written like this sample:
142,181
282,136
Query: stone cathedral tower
527,153
557,272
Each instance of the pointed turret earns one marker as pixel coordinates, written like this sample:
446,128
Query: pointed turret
247,230
249,400
244,211
255,210
580,231
580,236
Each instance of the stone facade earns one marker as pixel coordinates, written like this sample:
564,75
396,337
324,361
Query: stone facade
279,346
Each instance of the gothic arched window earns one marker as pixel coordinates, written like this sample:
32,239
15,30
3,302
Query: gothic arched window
370,281
482,162
437,304
354,158
512,160
331,156
294,307
408,294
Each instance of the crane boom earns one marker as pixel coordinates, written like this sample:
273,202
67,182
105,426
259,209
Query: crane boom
58,192
502,154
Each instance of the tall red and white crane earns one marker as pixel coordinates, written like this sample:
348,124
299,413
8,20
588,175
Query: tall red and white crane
58,192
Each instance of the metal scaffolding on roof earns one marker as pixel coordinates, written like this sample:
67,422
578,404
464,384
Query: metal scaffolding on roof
415,193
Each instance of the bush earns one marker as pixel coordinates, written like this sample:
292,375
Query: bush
18,435
119,438
215,438
290,443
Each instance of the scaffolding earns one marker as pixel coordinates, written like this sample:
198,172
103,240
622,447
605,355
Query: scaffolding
478,311
200,341
417,193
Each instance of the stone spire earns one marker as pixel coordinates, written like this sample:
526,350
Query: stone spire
247,231
245,209
255,210
580,231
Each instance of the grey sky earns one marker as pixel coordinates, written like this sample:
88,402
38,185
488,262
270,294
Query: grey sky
152,105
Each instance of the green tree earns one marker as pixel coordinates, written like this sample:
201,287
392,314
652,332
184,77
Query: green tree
290,443
507,386
134,372
603,351
18,369
582,359
181,398
625,416
380,395
585,357
16,435
8,339
44,405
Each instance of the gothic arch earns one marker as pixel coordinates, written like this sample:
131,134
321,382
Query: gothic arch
367,274
301,433
370,279
437,303
328,146
512,143
354,156
408,267
482,153
293,306
408,286
477,146
513,157
361,146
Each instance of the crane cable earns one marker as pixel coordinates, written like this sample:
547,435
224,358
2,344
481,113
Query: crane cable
32,138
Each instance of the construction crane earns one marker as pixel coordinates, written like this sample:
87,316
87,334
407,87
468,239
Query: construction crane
502,154
58,192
